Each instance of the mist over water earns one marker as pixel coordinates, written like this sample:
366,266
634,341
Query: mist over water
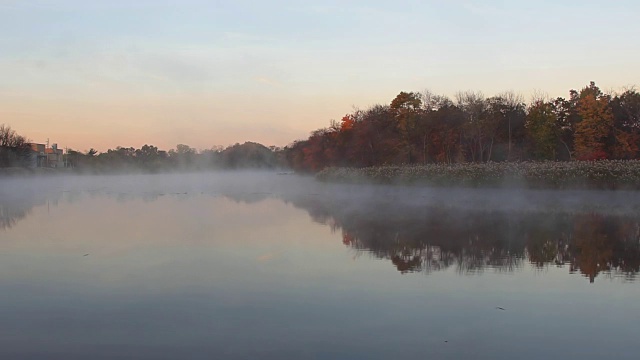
265,265
263,184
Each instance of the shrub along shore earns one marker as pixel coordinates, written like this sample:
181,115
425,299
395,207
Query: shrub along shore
602,174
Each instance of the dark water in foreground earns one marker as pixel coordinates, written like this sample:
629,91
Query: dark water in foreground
280,267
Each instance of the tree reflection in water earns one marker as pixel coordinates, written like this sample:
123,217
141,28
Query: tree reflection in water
10,215
419,238
14,208
425,239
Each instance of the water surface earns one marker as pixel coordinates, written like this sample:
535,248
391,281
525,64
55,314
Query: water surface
266,266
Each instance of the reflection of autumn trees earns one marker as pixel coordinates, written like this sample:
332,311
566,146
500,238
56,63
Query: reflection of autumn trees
546,242
602,244
431,240
591,250
427,239
416,238
590,244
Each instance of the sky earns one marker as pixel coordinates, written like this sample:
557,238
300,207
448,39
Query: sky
101,74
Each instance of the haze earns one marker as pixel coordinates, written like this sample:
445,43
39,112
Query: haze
121,73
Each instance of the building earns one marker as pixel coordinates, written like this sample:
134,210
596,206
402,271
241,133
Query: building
55,158
42,156
37,157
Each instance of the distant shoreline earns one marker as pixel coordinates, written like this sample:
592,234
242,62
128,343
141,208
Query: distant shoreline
17,172
24,171
568,175
600,175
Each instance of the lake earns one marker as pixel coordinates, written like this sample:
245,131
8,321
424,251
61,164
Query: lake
267,266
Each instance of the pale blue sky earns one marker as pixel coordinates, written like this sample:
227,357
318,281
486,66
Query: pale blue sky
108,73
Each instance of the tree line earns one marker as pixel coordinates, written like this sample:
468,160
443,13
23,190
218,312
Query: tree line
149,158
421,128
415,128
14,148
15,151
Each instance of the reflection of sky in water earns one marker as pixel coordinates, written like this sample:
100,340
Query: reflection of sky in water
204,276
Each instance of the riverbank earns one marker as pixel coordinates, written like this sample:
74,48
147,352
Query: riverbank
603,174
23,171
18,172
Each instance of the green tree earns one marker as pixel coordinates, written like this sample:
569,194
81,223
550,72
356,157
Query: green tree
626,118
183,156
149,157
542,129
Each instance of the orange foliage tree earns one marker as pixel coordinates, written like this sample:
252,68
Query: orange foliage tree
596,124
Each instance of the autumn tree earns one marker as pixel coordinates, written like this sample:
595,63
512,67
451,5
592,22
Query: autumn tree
341,153
406,107
376,138
443,122
479,129
294,155
595,126
317,148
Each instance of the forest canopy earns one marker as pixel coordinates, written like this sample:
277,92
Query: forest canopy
422,128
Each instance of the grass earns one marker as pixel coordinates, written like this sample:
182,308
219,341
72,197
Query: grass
603,174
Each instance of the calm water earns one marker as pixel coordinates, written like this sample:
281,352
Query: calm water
261,266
